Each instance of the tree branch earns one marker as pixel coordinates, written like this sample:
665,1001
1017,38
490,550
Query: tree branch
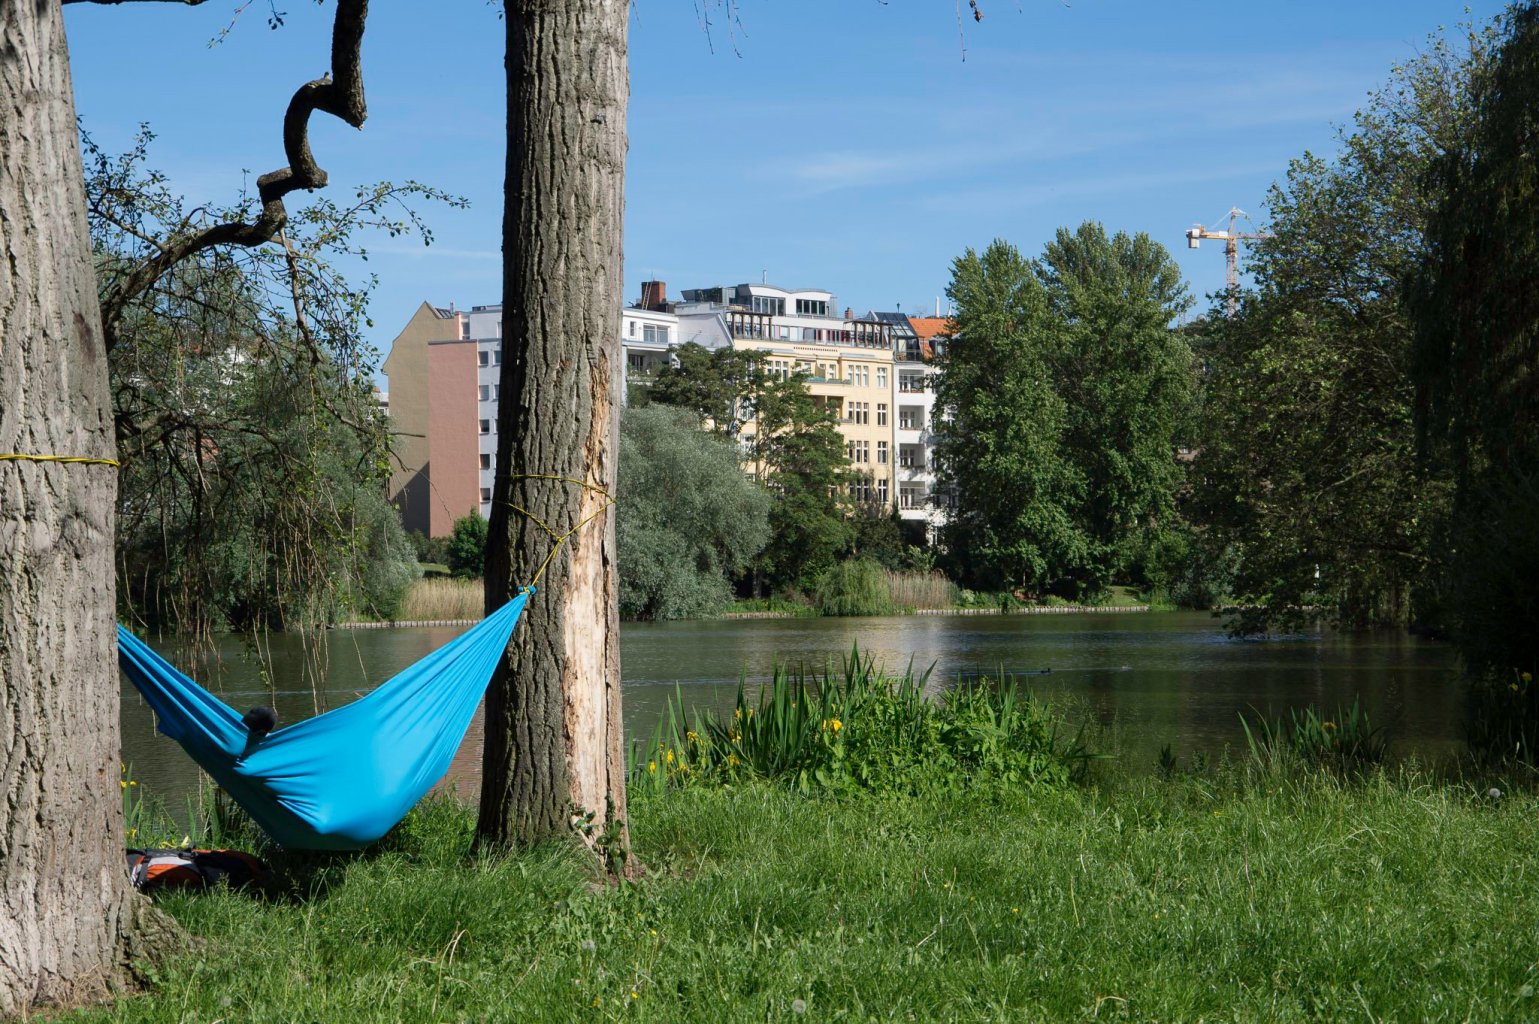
339,94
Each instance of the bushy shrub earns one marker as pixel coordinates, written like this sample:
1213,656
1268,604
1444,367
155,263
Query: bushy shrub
857,587
466,549
859,729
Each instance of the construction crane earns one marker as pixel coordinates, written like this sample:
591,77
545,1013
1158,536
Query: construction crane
1231,239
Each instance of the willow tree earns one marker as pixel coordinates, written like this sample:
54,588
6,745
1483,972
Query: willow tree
71,927
554,755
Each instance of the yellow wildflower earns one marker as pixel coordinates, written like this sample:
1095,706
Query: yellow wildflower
122,784
668,756
836,725
692,736
652,766
1528,677
732,761
1327,725
1513,687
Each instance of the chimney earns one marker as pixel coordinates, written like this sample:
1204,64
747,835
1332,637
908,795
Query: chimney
654,295
849,314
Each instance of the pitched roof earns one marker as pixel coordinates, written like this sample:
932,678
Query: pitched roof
928,327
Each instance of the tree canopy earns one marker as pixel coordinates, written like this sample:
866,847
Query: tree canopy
787,439
689,521
1475,307
1309,464
1062,400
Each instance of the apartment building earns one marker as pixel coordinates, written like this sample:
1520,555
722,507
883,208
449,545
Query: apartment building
443,370
800,330
871,372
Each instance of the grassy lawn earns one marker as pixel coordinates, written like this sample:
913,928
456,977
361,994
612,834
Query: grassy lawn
1197,898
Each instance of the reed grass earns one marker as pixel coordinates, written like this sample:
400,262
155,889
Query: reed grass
438,599
920,590
1345,741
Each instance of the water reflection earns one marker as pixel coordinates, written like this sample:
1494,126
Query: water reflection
1152,679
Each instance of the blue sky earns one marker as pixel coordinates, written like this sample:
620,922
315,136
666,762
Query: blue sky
854,145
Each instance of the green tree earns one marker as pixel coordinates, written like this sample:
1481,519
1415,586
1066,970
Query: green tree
254,456
466,549
1126,380
1308,465
688,519
1477,367
1000,437
789,441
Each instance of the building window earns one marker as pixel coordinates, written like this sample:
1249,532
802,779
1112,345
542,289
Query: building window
486,495
911,382
496,392
630,328
811,307
486,392
881,491
634,362
881,414
499,328
486,460
881,376
656,333
486,426
769,304
497,356
484,358
464,328
881,453
910,419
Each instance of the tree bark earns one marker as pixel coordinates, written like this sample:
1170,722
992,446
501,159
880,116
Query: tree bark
553,735
70,925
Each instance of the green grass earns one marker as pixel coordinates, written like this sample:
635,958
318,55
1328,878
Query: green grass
1203,897
779,605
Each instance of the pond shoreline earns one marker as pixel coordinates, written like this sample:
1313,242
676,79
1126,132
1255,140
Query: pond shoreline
1068,609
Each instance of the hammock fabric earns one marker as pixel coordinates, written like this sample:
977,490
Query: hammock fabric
342,779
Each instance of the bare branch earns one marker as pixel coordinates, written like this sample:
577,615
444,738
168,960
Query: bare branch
339,94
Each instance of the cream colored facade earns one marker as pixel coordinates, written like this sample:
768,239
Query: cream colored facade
849,364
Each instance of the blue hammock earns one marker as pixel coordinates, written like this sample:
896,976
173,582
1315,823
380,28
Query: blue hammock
342,779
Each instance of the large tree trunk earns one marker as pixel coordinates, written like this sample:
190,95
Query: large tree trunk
69,922
553,735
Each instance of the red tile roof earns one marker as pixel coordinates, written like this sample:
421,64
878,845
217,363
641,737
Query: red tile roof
928,327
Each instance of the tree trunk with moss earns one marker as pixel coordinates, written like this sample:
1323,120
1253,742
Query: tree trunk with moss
554,754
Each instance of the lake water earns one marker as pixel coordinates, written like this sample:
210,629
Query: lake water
1138,681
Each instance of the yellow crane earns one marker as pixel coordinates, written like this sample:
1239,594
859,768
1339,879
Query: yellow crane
1231,239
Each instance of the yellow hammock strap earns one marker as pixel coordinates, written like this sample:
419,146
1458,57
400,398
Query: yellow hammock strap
15,457
560,538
